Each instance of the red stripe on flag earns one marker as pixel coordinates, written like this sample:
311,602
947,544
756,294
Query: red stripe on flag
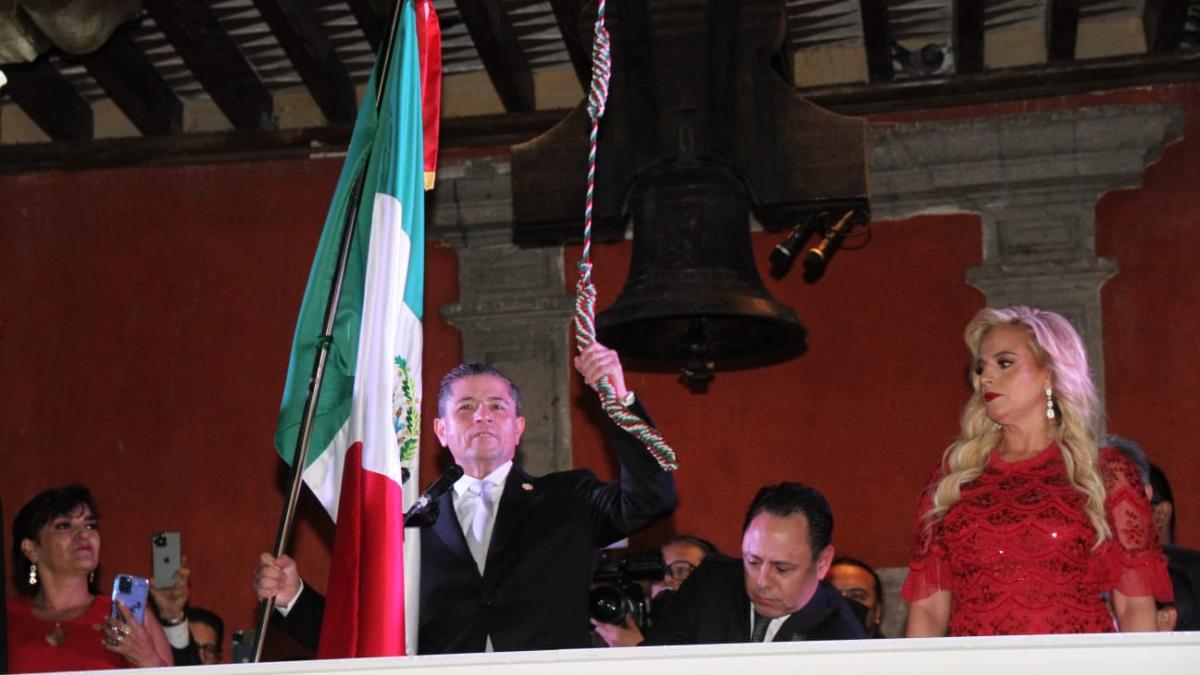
429,42
364,612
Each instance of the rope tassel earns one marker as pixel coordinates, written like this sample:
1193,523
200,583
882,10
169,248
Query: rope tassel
585,290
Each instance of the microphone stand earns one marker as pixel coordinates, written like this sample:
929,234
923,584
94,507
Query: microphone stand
424,511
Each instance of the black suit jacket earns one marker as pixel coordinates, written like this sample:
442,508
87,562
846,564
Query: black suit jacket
712,607
533,593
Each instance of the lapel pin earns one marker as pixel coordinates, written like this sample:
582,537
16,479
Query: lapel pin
527,487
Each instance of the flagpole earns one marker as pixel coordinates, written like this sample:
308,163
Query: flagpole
300,457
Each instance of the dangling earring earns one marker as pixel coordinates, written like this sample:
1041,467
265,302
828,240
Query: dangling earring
91,576
1049,403
32,574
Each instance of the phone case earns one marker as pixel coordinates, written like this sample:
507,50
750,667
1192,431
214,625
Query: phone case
132,591
166,549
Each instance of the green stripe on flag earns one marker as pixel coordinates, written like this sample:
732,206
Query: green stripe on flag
394,150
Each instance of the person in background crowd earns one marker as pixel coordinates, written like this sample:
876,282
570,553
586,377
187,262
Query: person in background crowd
1162,500
1137,456
194,633
774,594
62,621
208,634
681,555
857,581
1184,563
1026,521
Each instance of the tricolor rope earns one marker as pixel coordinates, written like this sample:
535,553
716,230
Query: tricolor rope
585,291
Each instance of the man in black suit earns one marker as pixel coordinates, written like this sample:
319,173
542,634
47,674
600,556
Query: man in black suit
507,565
776,593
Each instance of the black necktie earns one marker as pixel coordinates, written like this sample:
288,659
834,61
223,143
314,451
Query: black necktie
760,628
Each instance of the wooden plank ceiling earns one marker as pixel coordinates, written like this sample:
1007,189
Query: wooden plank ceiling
240,54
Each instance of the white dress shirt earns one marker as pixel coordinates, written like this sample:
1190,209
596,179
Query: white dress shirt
773,627
465,504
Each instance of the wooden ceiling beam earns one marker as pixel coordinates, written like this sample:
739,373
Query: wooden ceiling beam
372,17
299,32
877,39
481,131
135,85
968,36
1009,84
499,131
214,58
567,16
1062,29
1163,22
496,41
49,100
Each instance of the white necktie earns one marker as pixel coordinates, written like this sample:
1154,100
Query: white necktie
477,537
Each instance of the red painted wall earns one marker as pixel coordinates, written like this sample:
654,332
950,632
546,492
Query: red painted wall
1151,322
146,317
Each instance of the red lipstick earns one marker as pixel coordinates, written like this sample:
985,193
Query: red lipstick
990,395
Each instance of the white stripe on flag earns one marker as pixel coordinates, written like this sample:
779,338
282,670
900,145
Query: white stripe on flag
388,329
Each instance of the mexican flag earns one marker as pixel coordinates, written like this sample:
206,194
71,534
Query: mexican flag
367,428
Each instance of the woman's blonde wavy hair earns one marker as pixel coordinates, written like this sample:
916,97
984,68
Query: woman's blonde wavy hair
1058,350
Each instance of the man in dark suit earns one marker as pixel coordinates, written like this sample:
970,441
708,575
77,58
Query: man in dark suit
776,593
507,565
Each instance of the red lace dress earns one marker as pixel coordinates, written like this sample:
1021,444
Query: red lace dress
1016,552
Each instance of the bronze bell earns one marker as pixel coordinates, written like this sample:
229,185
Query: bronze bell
694,299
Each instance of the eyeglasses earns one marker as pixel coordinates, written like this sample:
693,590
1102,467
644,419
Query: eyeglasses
680,569
214,651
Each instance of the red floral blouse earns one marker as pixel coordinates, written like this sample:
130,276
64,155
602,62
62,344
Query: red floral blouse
1016,551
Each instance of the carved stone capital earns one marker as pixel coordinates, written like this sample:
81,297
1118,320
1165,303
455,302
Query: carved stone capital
1034,179
978,164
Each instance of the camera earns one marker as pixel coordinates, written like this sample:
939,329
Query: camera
160,539
124,584
617,591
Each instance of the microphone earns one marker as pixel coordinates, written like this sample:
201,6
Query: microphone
427,502
785,251
818,256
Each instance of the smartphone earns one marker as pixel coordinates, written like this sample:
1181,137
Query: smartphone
243,645
132,591
166,549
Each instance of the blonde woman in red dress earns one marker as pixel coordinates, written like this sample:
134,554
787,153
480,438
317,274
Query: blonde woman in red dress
1027,526
61,622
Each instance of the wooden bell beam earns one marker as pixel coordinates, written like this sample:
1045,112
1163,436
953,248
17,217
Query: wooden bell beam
877,39
1062,29
968,36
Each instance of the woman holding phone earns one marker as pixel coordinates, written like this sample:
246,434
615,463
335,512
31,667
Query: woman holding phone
61,622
